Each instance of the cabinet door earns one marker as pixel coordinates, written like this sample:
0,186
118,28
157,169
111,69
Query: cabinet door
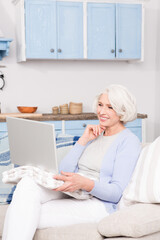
77,127
40,29
136,127
128,31
57,126
69,30
101,30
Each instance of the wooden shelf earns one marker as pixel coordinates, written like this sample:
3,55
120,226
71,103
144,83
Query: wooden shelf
52,117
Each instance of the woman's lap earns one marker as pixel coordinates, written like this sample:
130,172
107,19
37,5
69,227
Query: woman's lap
58,209
63,212
35,207
55,208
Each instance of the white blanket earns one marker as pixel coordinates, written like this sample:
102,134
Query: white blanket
41,177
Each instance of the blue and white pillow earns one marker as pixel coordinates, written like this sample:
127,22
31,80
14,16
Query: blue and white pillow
63,143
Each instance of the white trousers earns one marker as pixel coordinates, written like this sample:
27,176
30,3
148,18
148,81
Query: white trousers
35,207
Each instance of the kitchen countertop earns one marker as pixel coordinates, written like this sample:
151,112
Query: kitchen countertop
52,117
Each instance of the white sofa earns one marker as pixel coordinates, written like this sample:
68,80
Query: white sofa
138,222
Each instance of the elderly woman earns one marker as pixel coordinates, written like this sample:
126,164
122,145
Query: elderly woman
101,163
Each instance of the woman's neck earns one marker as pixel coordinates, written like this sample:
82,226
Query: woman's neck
114,130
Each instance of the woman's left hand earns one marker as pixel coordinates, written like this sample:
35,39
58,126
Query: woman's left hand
73,182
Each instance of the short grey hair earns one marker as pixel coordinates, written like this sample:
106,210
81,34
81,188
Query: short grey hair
122,101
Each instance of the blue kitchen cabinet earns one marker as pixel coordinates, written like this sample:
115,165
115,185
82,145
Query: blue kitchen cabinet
4,47
3,129
114,31
54,30
40,18
101,31
69,30
128,31
57,126
136,127
77,127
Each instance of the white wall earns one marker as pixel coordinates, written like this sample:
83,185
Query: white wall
50,83
157,93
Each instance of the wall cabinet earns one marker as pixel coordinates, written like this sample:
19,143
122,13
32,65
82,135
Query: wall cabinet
50,29
114,31
4,47
128,31
54,30
77,127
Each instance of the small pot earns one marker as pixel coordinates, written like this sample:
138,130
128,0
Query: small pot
75,108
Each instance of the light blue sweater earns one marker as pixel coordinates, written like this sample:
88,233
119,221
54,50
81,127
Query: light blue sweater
116,169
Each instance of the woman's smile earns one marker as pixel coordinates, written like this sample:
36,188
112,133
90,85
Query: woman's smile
103,118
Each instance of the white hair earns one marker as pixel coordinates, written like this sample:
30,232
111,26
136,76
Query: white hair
122,101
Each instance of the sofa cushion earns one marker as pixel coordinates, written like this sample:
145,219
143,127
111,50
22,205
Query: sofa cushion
154,236
3,209
135,221
144,185
83,231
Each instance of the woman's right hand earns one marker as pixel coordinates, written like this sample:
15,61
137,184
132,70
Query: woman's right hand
91,132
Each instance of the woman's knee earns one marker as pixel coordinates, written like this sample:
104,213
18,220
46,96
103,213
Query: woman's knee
26,188
27,183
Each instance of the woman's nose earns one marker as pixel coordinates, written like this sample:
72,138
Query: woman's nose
103,110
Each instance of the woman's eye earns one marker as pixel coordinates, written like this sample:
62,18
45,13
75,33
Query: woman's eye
110,107
99,104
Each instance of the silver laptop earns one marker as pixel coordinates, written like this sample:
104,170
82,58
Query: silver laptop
32,143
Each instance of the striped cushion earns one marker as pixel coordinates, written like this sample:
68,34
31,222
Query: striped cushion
145,183
64,143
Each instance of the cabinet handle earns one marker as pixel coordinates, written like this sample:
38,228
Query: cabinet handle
59,50
120,50
84,125
51,50
112,51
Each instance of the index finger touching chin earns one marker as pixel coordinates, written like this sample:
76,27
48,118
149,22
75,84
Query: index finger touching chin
102,127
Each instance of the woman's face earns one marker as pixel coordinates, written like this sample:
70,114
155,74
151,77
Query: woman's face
106,115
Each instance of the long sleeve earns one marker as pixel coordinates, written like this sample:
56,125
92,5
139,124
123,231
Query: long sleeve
70,161
122,160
